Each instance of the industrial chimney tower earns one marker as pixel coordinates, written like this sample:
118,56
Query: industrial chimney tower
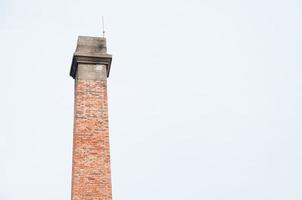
91,176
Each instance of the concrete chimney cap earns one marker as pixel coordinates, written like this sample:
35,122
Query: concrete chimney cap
90,50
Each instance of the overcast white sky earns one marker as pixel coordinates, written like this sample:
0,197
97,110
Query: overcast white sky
204,97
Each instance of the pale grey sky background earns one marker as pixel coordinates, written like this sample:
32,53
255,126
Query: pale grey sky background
204,97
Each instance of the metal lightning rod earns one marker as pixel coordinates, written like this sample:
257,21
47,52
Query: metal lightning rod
103,24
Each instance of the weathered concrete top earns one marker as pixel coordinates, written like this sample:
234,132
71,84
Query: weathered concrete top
90,50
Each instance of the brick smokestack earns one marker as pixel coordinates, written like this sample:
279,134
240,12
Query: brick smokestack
91,176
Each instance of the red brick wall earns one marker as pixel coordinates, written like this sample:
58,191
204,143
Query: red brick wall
91,179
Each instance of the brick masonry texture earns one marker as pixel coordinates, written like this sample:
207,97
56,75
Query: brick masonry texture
91,176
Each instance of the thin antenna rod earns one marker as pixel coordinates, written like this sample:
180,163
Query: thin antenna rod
103,26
